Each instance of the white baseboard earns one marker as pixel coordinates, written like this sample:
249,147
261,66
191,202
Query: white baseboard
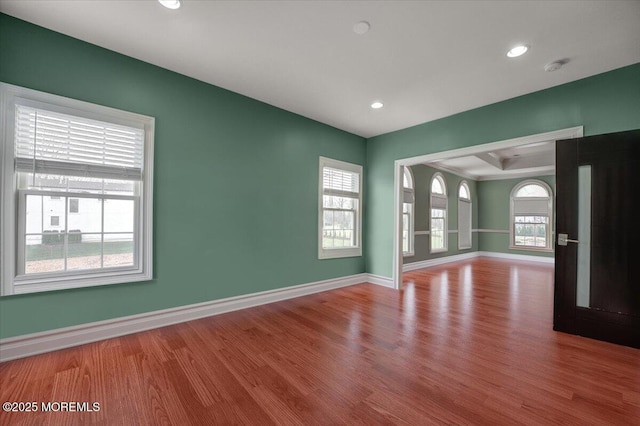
525,257
438,261
51,340
457,257
380,280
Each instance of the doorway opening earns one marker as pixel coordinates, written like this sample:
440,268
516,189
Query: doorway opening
482,152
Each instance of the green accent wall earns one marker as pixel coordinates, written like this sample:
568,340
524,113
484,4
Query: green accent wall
608,102
422,175
493,213
235,183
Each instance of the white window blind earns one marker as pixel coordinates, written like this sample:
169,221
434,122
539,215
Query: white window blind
464,224
54,143
438,202
408,196
532,207
340,182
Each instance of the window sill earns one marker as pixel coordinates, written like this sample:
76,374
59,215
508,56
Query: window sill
338,253
534,249
25,285
439,251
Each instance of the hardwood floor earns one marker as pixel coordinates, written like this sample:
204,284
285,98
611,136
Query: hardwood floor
463,343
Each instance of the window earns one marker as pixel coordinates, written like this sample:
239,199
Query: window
438,232
57,152
464,216
74,205
340,214
408,201
531,213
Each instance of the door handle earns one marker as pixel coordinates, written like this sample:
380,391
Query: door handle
563,239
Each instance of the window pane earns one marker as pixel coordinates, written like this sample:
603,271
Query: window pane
405,232
89,215
42,181
437,213
436,186
407,181
118,215
464,192
533,233
338,229
34,214
331,201
85,184
84,251
121,187
53,214
118,250
532,190
437,239
76,184
43,253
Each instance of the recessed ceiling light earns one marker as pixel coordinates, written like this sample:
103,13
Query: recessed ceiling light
361,27
377,105
518,51
170,4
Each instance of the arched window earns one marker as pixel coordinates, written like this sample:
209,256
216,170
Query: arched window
531,215
438,222
464,216
408,194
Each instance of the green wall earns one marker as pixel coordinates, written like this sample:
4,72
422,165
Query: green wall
604,103
422,175
228,217
235,190
493,213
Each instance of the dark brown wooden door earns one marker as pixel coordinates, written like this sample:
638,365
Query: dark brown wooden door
598,177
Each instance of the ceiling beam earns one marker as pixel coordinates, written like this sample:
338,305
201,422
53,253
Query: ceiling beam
491,159
530,161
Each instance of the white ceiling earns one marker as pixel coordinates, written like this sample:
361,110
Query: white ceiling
424,60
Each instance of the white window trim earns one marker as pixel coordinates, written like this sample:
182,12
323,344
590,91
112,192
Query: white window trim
446,213
411,191
339,252
9,202
470,202
549,235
